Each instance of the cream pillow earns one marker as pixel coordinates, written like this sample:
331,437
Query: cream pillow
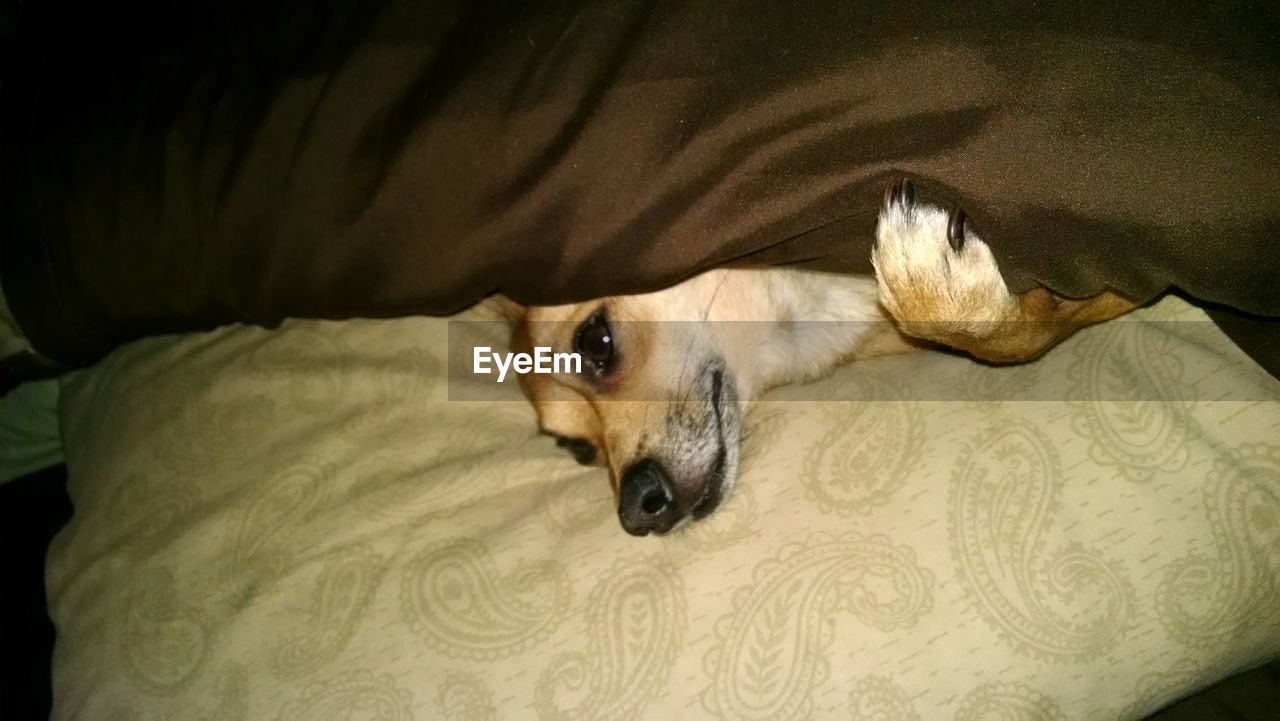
300,525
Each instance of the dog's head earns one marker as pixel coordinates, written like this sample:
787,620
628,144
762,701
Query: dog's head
656,400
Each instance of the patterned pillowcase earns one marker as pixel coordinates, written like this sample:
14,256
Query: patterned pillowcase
300,524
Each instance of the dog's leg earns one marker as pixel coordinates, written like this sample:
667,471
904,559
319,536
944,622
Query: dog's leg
941,283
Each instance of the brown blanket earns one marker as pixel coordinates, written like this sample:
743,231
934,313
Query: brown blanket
181,168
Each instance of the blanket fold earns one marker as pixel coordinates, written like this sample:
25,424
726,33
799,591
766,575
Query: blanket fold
177,167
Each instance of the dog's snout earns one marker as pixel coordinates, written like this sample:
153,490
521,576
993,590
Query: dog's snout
646,500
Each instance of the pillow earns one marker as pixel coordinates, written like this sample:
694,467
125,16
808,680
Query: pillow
300,524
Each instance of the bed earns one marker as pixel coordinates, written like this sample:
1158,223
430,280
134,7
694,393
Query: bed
318,521
301,524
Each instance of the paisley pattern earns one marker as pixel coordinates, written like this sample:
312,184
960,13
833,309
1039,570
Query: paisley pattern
1154,687
404,376
1008,702
350,696
865,456
340,597
165,643
385,487
313,382
200,436
1131,401
1065,603
223,696
764,427
574,505
302,525
876,698
997,384
1206,600
733,522
771,650
463,697
258,552
457,602
152,509
635,625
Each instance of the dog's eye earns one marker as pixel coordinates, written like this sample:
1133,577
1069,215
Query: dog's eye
594,341
583,451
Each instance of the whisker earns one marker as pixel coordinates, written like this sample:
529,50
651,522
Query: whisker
685,365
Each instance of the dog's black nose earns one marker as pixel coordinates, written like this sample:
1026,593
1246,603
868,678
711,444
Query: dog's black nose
645,499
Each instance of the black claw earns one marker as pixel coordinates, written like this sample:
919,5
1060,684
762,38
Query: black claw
955,230
900,193
891,193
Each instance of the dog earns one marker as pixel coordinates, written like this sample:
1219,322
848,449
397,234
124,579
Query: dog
666,377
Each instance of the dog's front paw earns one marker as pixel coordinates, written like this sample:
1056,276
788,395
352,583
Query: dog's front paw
935,275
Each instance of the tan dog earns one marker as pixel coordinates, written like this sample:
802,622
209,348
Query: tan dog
666,376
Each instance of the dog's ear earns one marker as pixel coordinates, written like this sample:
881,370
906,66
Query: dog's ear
510,310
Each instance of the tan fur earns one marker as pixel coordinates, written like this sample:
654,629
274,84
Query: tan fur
958,297
776,326
733,311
